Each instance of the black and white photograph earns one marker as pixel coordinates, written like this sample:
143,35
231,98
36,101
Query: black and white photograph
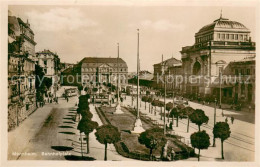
129,81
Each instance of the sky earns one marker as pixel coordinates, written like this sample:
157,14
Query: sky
75,32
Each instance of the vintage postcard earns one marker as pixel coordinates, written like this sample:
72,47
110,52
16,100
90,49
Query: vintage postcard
129,83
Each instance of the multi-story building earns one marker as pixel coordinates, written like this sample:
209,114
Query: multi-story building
174,80
244,89
216,46
99,70
64,66
50,62
21,76
171,63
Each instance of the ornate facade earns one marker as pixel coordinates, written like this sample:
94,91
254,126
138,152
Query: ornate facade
216,45
100,70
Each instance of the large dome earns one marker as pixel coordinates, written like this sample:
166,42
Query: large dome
224,24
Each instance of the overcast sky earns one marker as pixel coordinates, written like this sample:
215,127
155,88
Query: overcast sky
75,32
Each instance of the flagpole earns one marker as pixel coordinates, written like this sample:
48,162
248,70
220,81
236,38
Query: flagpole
118,107
138,126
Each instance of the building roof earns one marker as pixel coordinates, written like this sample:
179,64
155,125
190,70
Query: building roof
245,60
46,51
102,60
170,62
223,24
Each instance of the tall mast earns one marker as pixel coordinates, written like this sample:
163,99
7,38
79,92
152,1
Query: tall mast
137,101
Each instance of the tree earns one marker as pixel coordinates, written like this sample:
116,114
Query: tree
145,99
95,90
187,111
161,104
169,106
80,87
200,140
173,113
152,138
107,134
149,100
39,86
155,103
221,130
198,117
87,126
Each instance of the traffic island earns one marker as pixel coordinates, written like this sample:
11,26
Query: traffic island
129,146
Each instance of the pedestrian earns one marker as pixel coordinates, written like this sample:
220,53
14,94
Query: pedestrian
226,120
172,154
222,114
67,99
57,101
232,120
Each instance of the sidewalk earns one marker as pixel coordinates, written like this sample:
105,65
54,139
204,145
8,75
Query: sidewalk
20,137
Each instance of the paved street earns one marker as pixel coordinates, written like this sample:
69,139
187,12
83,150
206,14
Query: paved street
51,130
48,129
242,133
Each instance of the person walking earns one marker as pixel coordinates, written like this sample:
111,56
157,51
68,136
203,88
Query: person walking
172,154
232,120
226,120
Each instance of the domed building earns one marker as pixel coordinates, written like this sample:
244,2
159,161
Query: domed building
216,46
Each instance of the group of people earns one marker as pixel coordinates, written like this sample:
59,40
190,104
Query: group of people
231,118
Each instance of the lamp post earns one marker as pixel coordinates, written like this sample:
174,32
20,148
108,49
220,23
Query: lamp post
138,126
118,107
214,144
220,82
164,113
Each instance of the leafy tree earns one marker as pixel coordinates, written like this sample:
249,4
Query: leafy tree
198,117
169,107
40,87
80,87
145,99
107,134
87,126
187,111
221,130
95,90
152,138
161,104
47,82
149,100
155,103
173,113
148,92
200,140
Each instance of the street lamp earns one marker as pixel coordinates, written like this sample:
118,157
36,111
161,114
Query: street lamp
164,68
220,82
214,144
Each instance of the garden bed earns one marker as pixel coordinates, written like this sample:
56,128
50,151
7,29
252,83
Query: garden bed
129,145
